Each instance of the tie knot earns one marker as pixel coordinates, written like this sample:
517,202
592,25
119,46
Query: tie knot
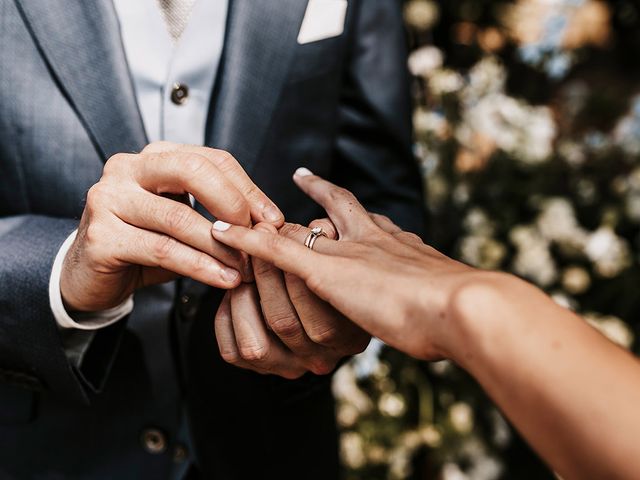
176,15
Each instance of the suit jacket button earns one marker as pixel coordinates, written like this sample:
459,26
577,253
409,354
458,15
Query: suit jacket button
179,93
154,441
180,454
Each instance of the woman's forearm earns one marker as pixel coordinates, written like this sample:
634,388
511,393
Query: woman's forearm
573,394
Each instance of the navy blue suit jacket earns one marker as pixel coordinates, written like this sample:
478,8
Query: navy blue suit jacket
339,106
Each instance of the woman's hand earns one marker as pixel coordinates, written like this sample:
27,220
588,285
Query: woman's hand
278,326
386,280
572,393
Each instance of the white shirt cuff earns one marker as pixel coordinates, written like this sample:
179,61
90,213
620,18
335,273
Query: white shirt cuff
80,321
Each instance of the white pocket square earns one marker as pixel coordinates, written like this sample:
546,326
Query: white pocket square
323,19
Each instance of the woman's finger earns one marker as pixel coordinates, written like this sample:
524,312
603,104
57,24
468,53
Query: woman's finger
347,214
385,223
327,227
299,234
283,252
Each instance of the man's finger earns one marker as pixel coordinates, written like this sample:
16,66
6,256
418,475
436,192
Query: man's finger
278,311
152,212
323,325
151,249
225,336
262,208
185,172
255,345
347,214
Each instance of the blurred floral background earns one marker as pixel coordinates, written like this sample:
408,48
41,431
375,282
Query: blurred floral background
527,118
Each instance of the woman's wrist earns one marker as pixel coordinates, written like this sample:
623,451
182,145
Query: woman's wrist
476,313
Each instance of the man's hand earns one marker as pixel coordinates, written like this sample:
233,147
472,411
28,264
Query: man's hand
132,235
278,326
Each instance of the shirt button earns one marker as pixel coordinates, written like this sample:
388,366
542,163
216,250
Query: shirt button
154,441
179,93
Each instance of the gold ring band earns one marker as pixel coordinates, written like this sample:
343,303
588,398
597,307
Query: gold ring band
313,236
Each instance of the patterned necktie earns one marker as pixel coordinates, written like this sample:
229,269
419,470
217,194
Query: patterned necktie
176,15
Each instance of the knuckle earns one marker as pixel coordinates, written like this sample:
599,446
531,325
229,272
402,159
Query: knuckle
254,352
284,324
263,269
324,336
163,248
159,146
224,160
290,229
193,165
409,237
200,266
294,374
97,196
116,163
230,356
322,366
237,206
275,244
179,218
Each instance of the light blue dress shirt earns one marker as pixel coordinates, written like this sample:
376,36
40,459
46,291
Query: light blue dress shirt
158,65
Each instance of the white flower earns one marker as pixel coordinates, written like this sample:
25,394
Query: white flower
346,389
576,280
431,436
533,259
429,122
632,207
391,404
451,471
486,77
444,81
557,223
609,253
482,251
613,328
421,14
425,60
517,128
461,417
351,449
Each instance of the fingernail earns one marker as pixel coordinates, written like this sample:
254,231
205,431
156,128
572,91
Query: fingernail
303,172
229,275
221,226
271,213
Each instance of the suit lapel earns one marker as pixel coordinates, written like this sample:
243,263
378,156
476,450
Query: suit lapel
259,49
80,41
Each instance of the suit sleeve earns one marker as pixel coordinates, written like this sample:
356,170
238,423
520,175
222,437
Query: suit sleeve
33,349
374,156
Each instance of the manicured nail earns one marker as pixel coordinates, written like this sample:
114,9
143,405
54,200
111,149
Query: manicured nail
229,275
221,226
271,213
303,172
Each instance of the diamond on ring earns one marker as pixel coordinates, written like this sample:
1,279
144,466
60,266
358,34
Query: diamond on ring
313,235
